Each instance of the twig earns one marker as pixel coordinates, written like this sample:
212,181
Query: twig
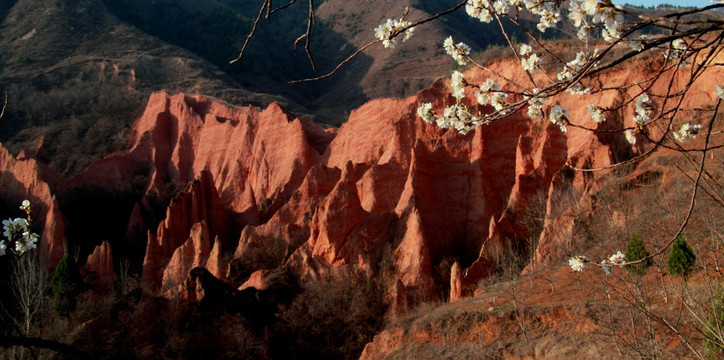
265,5
308,35
5,105
400,31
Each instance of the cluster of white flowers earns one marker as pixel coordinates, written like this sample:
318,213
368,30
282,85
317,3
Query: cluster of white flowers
639,43
596,113
558,116
604,13
17,230
426,113
457,116
687,132
571,70
459,51
618,258
578,263
498,101
678,50
529,61
644,109
548,12
390,29
457,82
483,96
719,92
478,9
585,15
612,19
535,104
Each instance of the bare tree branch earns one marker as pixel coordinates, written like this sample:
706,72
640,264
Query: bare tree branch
5,105
265,5
308,35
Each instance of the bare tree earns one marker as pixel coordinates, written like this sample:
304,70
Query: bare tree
30,286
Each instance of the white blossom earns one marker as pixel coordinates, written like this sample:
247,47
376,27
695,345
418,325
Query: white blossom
444,120
719,92
457,116
557,116
582,33
687,132
501,6
20,247
457,83
489,85
459,52
13,227
525,50
532,63
578,89
589,6
498,100
678,50
630,137
638,44
479,9
618,258
482,97
610,35
576,14
549,15
426,112
605,267
535,106
578,263
16,230
596,113
8,227
611,18
25,206
644,109
391,28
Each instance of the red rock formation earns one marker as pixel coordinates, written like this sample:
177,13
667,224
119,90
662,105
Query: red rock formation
456,288
192,253
100,262
216,263
289,228
272,189
256,280
250,154
198,203
23,178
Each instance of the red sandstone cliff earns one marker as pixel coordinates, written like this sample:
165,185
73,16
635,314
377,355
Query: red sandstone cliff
260,189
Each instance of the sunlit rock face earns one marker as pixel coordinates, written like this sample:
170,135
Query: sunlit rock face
427,210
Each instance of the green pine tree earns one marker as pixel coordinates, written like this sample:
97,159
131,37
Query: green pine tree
681,258
66,285
636,250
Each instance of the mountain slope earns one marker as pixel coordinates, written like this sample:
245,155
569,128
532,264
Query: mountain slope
77,77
